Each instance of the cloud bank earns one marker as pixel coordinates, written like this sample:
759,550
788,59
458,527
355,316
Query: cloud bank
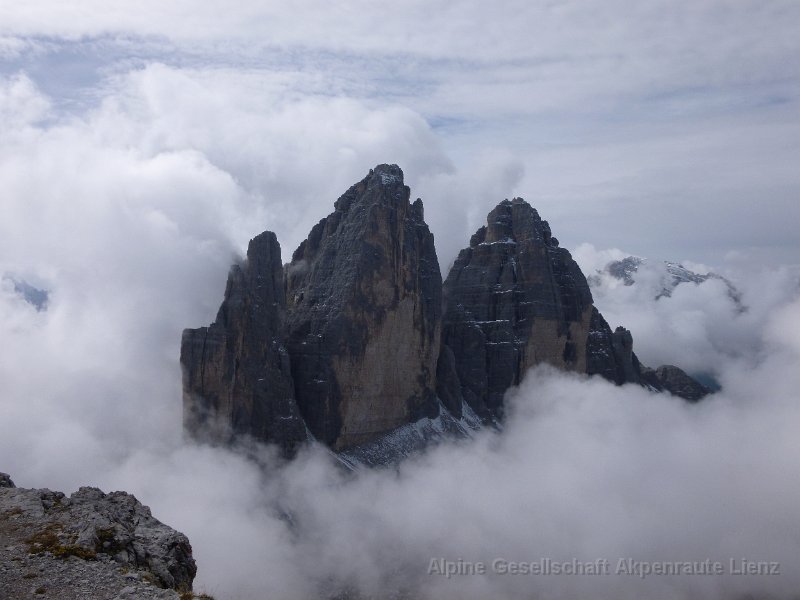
129,215
677,117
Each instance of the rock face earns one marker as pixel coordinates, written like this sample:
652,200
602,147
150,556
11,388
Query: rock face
358,337
114,532
513,299
236,372
610,353
364,312
675,381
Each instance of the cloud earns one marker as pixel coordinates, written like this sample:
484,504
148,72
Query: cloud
584,470
20,104
130,212
678,116
699,327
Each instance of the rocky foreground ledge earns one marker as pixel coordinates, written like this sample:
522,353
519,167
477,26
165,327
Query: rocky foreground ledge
89,545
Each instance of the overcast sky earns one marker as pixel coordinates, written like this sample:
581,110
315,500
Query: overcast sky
668,129
143,144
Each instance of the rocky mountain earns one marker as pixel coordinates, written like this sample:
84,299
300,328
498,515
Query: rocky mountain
237,378
513,299
364,314
359,344
670,275
88,545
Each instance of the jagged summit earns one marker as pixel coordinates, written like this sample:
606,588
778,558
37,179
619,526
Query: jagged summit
513,299
364,311
513,220
236,374
384,180
358,337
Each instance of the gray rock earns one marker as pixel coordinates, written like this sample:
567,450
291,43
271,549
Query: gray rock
357,336
236,372
513,299
364,312
675,381
93,526
610,353
5,481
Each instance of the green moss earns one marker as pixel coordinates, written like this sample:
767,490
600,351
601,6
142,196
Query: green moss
48,540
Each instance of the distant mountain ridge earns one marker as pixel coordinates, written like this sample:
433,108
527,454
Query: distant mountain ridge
673,275
358,340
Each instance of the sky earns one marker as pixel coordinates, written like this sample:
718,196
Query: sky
142,146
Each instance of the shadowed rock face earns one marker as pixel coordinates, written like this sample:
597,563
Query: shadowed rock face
364,313
236,372
675,381
513,299
357,336
610,353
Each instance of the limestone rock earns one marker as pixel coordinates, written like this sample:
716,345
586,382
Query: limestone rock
364,313
357,336
236,372
610,353
92,526
513,299
675,381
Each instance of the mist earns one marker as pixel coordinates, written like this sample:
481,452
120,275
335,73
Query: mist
129,210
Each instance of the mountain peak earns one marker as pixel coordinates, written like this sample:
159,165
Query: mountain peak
358,338
386,175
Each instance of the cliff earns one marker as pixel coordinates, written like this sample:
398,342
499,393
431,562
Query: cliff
88,545
236,372
513,299
364,314
358,337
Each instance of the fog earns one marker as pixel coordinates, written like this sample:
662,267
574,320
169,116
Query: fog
128,196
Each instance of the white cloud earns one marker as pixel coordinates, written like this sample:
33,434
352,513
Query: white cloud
699,327
131,210
583,470
20,104
131,214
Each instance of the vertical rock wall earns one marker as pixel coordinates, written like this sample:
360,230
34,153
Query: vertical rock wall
513,299
357,336
236,372
364,312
